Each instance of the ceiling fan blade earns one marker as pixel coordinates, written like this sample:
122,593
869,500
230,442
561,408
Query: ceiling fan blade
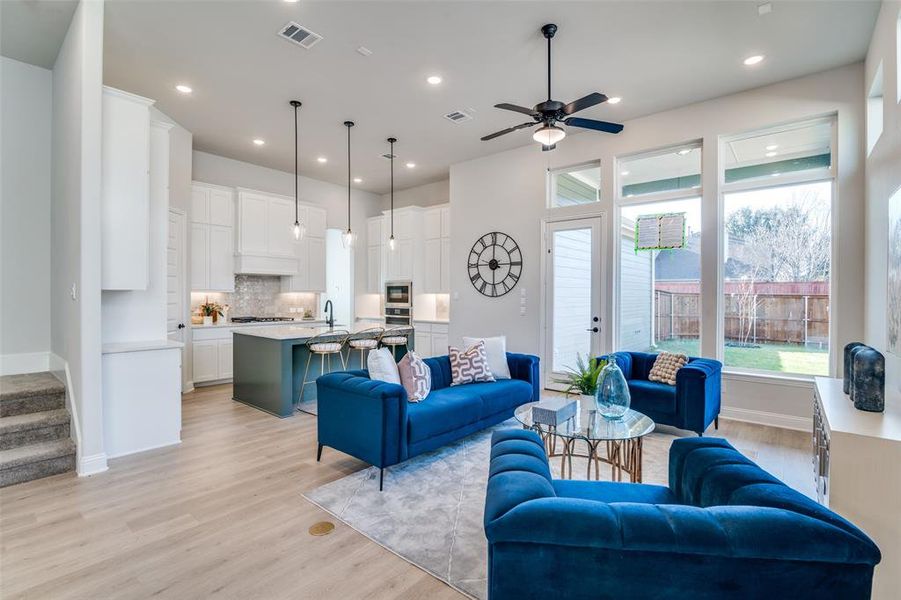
515,108
548,148
507,130
592,124
583,103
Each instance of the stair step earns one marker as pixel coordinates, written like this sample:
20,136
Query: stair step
31,428
30,393
35,461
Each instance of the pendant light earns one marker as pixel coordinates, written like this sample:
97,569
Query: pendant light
392,243
349,236
298,229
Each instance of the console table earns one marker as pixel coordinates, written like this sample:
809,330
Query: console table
857,465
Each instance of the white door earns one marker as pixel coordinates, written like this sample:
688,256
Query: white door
573,286
175,282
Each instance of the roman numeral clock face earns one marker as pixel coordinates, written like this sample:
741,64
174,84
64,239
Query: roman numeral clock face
495,264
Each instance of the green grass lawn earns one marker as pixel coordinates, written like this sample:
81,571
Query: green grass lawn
783,358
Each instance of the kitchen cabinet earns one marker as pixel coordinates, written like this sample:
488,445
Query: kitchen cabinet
125,191
436,270
309,253
376,246
212,238
205,358
224,348
265,242
430,339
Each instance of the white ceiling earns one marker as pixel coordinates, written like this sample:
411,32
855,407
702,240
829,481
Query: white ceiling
33,30
656,55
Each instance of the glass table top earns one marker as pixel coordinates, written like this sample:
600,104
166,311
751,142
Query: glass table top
588,424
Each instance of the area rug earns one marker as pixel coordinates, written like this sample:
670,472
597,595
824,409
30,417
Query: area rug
431,511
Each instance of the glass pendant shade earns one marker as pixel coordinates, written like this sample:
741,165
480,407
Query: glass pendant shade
298,230
392,243
548,135
348,238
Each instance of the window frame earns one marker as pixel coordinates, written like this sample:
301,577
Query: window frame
550,182
680,194
810,176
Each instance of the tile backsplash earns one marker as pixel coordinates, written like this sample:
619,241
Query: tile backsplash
259,295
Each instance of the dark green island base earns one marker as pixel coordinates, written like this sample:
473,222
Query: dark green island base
269,364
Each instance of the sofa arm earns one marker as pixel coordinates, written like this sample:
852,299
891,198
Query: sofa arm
698,391
518,472
525,367
361,417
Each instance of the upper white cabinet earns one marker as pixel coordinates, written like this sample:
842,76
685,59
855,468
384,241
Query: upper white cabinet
436,229
265,243
212,238
421,253
404,262
309,252
125,191
375,255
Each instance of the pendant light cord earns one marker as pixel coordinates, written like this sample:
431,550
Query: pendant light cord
348,124
296,213
391,141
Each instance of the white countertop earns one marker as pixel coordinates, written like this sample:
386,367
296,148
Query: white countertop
842,417
141,346
435,321
223,324
297,332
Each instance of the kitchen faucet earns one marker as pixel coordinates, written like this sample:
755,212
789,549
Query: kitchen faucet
330,309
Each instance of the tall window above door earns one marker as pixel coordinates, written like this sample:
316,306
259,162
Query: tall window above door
574,186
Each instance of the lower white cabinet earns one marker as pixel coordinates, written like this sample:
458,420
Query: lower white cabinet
225,359
205,358
430,339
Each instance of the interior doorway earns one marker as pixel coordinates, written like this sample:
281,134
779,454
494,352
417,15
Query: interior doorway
339,278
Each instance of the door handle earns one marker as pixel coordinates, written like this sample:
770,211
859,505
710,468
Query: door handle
181,325
592,329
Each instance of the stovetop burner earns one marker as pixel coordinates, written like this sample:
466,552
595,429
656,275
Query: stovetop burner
259,319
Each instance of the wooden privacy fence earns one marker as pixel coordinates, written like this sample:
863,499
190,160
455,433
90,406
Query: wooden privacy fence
752,315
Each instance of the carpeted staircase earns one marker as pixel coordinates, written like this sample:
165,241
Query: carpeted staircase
34,428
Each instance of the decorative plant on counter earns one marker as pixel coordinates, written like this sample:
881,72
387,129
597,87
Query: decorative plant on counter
583,379
211,309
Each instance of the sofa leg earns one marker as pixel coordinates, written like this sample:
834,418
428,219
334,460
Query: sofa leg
319,453
381,479
716,422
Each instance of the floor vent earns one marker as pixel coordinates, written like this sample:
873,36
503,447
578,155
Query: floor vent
458,116
300,35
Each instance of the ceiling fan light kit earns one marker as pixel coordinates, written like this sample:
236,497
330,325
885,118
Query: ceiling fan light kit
550,113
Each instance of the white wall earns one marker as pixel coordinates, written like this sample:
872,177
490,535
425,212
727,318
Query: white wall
507,192
25,216
75,225
428,194
883,177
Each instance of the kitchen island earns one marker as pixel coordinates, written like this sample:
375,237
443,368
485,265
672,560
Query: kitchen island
269,363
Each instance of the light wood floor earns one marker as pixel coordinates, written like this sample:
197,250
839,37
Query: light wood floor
222,515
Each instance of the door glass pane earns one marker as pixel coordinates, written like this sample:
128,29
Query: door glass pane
660,289
572,296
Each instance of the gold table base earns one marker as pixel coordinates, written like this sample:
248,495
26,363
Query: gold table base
623,456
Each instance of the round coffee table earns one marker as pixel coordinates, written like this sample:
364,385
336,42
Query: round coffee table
620,439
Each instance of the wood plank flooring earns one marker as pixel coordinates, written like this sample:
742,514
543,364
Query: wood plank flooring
221,515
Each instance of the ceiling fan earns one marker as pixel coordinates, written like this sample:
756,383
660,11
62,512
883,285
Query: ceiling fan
551,113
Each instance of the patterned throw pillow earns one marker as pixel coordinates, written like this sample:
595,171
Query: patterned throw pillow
470,365
415,376
666,366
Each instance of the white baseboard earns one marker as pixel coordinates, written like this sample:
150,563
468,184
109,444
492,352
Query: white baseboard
146,448
91,465
27,362
761,417
187,386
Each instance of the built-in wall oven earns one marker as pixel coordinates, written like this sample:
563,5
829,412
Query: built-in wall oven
399,303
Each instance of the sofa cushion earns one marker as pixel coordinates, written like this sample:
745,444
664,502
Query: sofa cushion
502,395
441,371
445,410
650,396
614,491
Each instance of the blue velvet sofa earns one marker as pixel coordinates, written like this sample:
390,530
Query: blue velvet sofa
724,528
373,421
693,404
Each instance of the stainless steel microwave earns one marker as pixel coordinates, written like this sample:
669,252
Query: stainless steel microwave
398,294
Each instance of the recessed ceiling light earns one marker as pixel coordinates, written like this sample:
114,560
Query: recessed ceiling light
624,173
411,165
259,142
753,60
357,180
772,147
290,1
184,89
434,79
771,154
684,151
614,100
322,159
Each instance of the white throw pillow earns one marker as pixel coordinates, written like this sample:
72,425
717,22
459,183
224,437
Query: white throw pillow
496,350
382,367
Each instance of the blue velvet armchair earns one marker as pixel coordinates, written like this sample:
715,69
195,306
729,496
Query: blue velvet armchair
373,421
693,404
724,528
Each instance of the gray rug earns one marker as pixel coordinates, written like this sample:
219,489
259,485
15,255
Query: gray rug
431,511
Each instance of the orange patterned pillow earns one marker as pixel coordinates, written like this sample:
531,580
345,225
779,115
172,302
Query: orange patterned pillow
666,366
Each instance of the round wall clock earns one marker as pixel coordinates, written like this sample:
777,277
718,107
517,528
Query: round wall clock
494,264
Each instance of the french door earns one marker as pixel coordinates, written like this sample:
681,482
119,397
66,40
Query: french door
573,282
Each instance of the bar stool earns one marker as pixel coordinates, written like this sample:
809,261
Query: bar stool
324,345
394,337
364,341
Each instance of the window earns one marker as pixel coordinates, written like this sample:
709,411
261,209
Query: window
573,186
778,245
660,290
669,170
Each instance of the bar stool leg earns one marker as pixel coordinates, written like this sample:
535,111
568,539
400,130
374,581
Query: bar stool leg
303,385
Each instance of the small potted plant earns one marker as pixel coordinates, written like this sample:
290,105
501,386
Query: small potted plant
210,312
583,379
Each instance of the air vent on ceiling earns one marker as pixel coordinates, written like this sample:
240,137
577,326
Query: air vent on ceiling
458,116
300,35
